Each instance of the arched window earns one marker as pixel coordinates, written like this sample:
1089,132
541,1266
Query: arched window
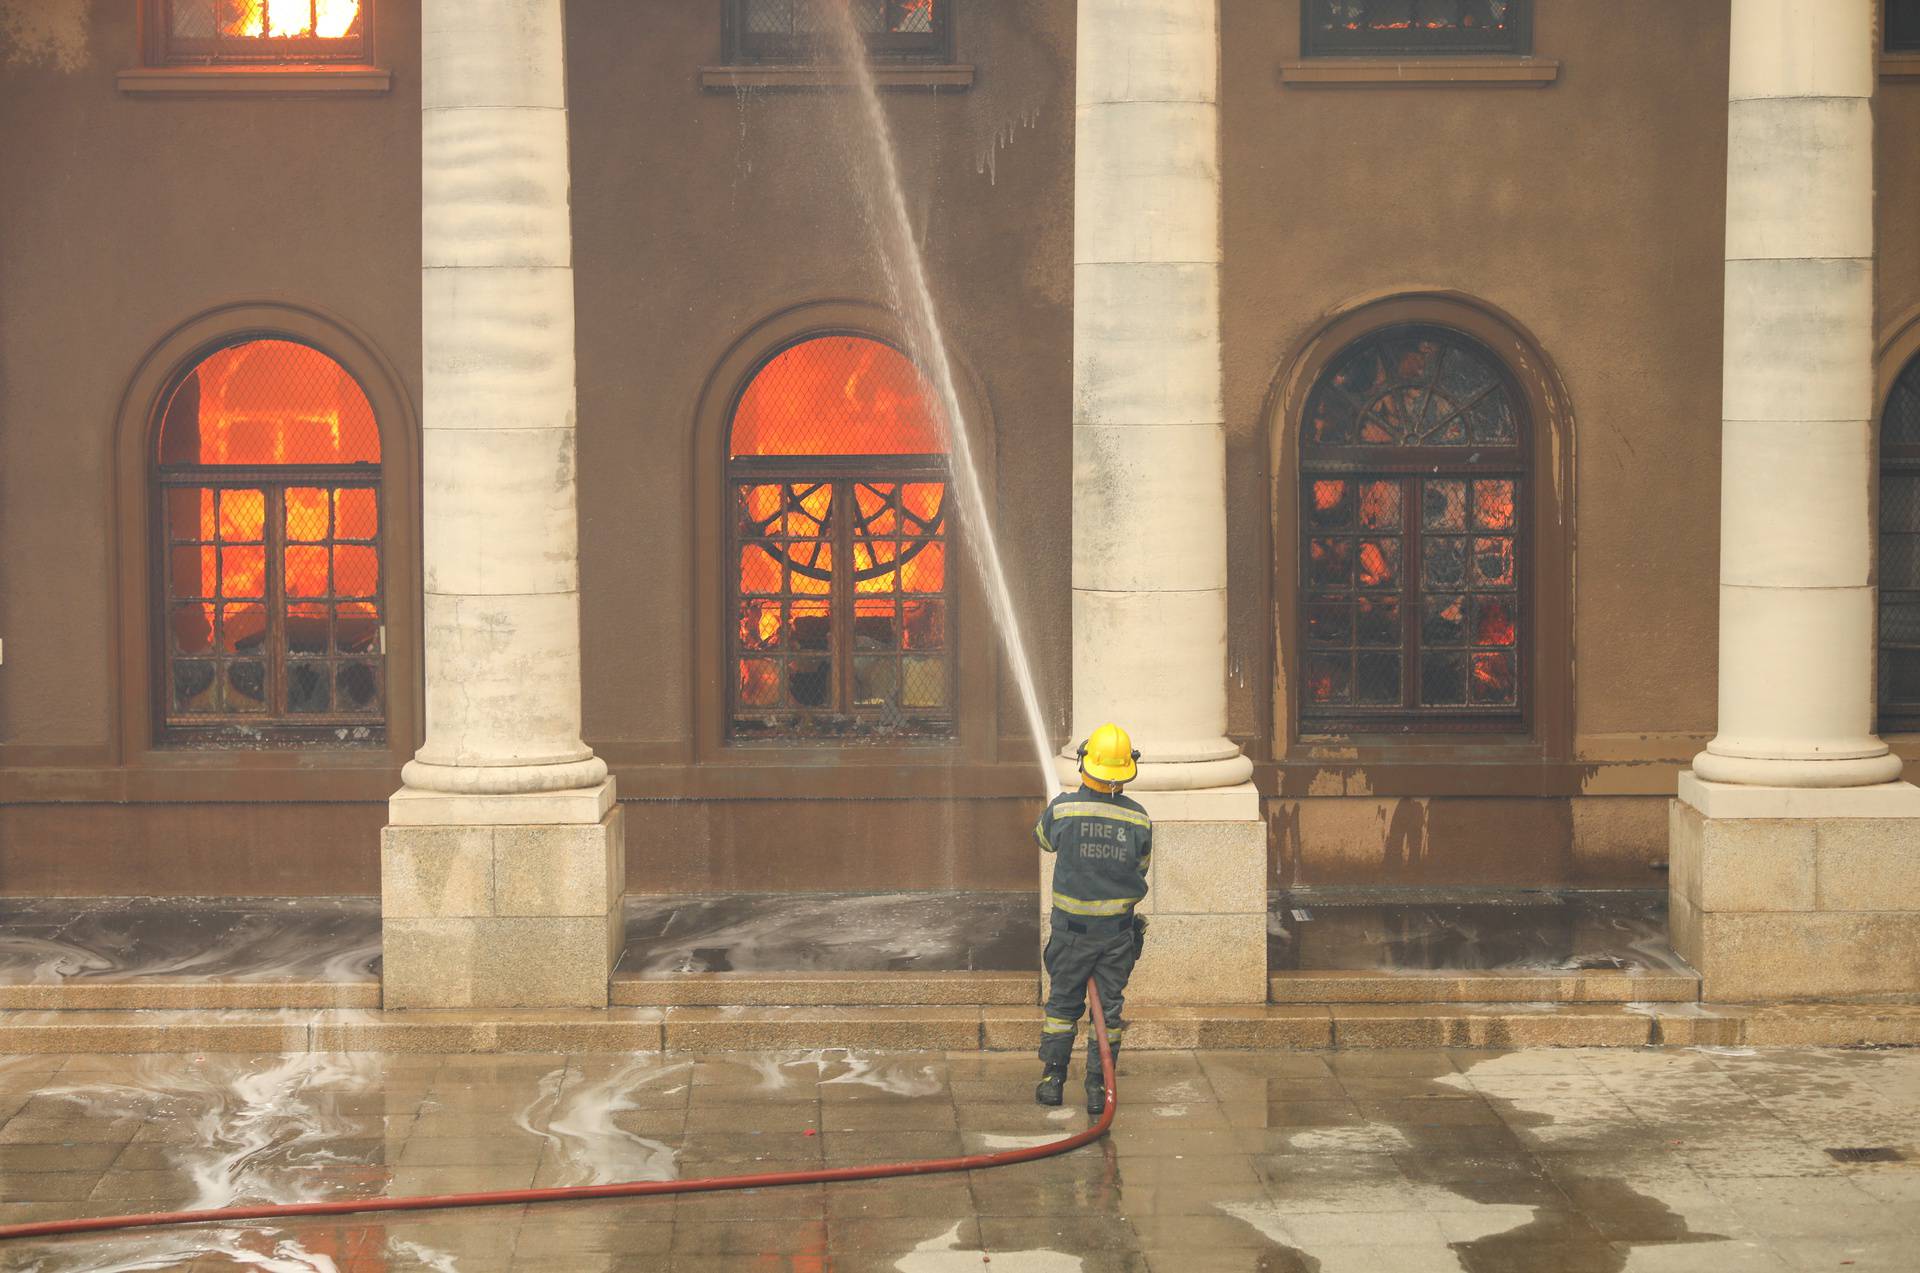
841,597
1413,498
267,468
1900,555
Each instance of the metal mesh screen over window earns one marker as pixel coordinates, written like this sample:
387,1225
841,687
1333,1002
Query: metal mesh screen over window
1412,496
1899,662
1415,26
262,30
1903,26
841,595
804,30
268,499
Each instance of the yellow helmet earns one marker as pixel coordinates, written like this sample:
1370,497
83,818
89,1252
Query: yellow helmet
1108,755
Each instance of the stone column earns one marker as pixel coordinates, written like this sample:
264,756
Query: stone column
1149,481
501,866
1793,869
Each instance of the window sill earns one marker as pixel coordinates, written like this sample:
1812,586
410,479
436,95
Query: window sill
1420,72
955,76
1900,66
222,81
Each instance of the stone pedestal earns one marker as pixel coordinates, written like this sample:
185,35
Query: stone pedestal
501,901
1206,905
1797,893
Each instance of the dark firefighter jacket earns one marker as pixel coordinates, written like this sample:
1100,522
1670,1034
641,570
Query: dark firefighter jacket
1103,843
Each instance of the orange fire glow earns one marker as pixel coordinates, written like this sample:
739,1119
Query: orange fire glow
327,19
838,395
265,404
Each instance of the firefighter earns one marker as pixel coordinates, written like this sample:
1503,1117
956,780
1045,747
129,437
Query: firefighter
1101,841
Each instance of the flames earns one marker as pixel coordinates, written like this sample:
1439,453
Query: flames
838,395
280,19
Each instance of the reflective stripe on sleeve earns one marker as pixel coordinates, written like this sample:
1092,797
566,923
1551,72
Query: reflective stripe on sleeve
1041,836
1089,809
1107,906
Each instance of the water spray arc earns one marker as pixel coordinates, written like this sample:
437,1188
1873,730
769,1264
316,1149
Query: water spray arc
907,274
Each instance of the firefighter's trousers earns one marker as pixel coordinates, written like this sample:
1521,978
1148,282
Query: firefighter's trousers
1101,948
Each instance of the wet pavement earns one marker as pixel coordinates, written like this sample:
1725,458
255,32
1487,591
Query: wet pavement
1368,1162
1510,931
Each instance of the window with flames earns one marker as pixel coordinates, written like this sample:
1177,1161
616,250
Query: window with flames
268,507
1899,663
841,599
804,31
259,31
1415,26
1412,541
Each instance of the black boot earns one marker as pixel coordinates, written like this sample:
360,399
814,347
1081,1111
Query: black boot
1052,1082
1096,1084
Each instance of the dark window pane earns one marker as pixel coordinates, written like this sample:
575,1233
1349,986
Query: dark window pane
1900,502
307,628
358,686
810,682
1330,563
1900,561
309,687
1415,26
246,687
1491,420
1900,619
1330,625
1443,678
1331,419
1444,562
193,687
1380,506
1443,620
194,571
1377,678
190,19
1493,679
1901,425
1900,678
1443,504
1903,25
1329,678
1378,621
1330,504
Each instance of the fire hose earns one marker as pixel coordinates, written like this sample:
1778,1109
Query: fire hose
627,1189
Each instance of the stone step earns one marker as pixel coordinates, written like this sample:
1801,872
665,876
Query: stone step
84,993
959,1028
1382,986
813,989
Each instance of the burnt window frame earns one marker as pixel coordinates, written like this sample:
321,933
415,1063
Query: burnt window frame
275,726
164,49
743,48
1414,42
845,473
1409,466
1902,459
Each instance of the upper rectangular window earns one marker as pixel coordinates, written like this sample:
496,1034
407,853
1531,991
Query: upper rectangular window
802,30
255,32
1415,26
1903,26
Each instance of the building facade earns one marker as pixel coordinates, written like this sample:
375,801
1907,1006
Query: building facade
1430,424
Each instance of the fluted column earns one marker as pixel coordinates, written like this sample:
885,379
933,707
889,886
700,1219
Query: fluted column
502,866
1149,448
1796,546
501,531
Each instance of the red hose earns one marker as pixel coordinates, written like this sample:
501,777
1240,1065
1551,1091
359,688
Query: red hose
630,1189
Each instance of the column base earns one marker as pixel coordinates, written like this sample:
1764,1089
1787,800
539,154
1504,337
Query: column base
1782,893
504,901
1206,904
